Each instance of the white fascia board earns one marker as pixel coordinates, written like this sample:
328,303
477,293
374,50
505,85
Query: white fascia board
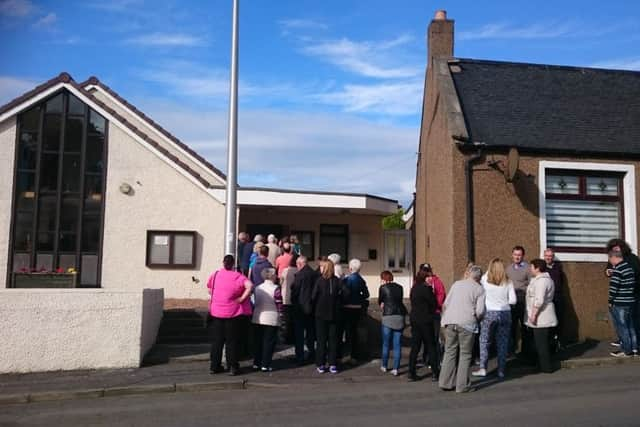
408,215
33,100
157,132
629,195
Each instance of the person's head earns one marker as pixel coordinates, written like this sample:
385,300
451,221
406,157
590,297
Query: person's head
294,260
228,262
619,245
284,240
257,246
293,239
538,266
386,277
426,267
327,269
495,272
549,256
517,254
243,237
615,257
264,251
272,239
421,276
334,258
354,265
474,273
301,262
258,238
286,248
268,274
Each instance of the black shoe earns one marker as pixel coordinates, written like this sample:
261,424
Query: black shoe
434,378
216,370
234,371
412,378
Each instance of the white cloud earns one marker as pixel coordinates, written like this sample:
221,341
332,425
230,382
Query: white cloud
166,40
302,24
548,30
291,149
630,63
46,22
12,87
380,59
16,8
114,5
395,98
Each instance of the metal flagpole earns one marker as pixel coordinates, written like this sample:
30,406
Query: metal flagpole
232,158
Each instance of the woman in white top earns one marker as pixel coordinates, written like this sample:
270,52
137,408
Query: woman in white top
266,319
499,297
540,311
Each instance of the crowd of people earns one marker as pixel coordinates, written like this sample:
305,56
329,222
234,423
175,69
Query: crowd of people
515,308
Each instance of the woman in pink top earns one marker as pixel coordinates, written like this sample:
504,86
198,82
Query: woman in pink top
230,291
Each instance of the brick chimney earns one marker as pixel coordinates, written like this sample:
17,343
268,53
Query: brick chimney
439,37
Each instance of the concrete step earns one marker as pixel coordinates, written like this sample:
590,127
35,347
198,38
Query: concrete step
180,329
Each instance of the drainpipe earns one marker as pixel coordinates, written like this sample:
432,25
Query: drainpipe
465,144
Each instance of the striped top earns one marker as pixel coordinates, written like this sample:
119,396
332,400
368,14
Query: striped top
622,285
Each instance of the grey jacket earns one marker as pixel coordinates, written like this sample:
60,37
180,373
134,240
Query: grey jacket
464,304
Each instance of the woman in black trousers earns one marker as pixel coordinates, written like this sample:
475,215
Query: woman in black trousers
423,308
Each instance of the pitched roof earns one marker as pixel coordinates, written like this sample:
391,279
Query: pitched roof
549,108
67,79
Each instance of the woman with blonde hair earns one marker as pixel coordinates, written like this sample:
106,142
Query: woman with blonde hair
327,297
499,297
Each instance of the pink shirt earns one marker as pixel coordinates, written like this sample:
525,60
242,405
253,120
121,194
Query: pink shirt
226,286
282,262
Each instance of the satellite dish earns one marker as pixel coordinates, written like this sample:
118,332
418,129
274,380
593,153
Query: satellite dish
512,164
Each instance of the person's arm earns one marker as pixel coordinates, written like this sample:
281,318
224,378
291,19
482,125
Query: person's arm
480,307
380,298
538,302
440,292
365,290
277,298
248,287
512,294
211,282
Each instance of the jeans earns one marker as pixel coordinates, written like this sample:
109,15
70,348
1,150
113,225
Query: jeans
389,334
623,321
495,325
456,375
266,338
636,321
305,332
423,333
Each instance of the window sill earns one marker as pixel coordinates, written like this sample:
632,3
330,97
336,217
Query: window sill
581,257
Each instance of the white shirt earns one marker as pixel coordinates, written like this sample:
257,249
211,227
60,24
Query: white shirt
498,298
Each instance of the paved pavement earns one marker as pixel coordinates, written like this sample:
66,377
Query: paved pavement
571,397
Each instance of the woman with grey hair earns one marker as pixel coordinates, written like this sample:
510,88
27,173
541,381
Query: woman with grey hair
337,268
461,312
266,319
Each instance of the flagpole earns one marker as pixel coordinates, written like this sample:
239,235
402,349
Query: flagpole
232,148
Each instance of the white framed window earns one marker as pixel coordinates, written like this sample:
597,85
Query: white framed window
583,205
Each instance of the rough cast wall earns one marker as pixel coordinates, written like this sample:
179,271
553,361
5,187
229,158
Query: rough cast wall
67,329
162,199
507,214
369,225
7,159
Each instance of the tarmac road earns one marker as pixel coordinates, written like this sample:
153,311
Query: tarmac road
600,396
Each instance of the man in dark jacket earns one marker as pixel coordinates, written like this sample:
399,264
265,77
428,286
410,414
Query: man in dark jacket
262,263
353,310
554,268
244,257
303,319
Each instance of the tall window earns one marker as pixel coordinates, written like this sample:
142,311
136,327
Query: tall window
59,188
584,209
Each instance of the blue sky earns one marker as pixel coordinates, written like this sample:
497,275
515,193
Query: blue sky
330,90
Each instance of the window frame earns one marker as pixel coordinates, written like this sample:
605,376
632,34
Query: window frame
346,237
626,198
172,234
298,234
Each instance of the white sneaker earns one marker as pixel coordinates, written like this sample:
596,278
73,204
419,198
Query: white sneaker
383,369
394,372
480,373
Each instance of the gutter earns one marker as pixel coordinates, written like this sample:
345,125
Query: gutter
465,144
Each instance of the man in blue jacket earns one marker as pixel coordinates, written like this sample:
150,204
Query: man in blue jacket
354,308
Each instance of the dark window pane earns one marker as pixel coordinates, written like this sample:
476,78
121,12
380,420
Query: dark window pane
92,193
30,120
25,190
76,107
89,270
51,136
95,145
45,241
71,173
67,241
69,214
47,213
96,123
73,134
21,262
27,150
44,262
90,233
49,172
54,105
67,261
23,231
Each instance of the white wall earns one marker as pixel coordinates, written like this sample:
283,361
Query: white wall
65,329
7,158
162,199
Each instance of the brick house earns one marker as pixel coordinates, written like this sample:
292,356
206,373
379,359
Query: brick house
570,182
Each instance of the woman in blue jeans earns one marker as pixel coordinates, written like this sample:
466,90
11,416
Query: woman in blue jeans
390,298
